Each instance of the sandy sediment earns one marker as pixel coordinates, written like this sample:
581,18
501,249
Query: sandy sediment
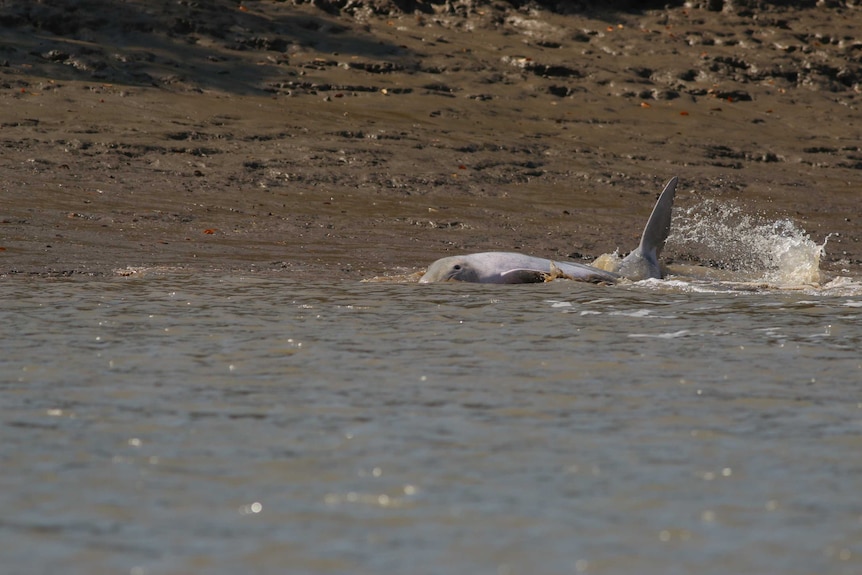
365,138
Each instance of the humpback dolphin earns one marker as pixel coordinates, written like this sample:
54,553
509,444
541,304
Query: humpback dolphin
513,268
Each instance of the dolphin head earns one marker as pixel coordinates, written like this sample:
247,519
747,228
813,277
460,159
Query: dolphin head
454,268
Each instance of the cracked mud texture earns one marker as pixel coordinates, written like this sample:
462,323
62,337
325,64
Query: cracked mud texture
355,139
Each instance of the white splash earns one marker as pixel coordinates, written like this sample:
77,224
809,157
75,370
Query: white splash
773,251
844,286
666,335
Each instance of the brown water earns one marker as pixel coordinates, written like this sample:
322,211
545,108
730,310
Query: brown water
224,424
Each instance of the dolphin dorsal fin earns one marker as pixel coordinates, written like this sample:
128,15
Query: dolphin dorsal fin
658,225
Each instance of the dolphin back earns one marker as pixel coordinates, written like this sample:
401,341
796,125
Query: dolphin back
643,262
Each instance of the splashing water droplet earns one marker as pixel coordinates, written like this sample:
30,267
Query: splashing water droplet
775,251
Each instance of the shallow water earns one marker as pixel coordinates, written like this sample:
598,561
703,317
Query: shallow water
177,424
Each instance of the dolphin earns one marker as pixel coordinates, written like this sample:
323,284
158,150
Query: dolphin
514,268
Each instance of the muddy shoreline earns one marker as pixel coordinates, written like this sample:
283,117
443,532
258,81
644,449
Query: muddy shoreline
274,136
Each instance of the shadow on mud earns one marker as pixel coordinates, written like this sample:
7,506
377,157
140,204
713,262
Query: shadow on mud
227,45
184,46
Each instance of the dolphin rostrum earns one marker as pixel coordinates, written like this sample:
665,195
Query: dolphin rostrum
514,268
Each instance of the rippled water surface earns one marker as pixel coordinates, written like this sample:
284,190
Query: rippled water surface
194,424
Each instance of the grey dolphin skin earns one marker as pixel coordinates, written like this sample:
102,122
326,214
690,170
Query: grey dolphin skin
514,268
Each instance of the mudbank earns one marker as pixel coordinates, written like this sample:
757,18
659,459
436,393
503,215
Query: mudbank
364,138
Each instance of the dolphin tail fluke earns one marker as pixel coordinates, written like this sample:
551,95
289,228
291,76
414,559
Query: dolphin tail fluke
643,262
658,226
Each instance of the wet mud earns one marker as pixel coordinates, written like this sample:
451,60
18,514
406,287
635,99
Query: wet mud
351,140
